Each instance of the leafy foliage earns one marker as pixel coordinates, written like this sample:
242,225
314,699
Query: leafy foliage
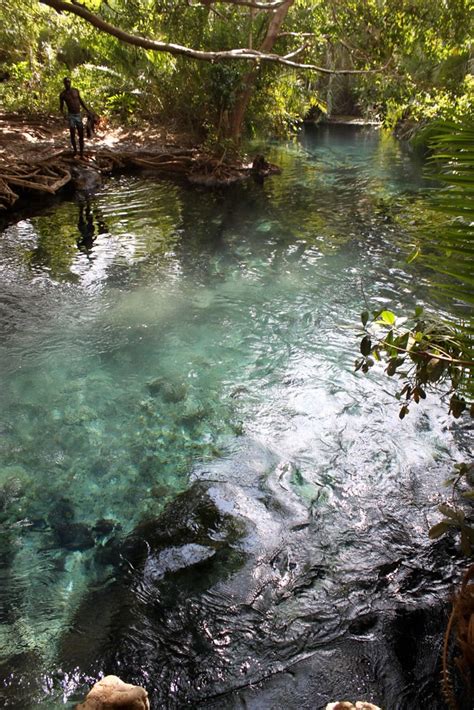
454,516
424,352
424,43
452,252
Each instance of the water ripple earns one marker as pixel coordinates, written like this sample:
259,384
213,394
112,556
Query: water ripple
210,337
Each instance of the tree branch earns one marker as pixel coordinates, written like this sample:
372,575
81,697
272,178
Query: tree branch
297,34
245,3
296,51
179,50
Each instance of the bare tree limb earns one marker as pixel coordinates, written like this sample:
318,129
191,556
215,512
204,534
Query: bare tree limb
296,51
245,3
297,34
179,50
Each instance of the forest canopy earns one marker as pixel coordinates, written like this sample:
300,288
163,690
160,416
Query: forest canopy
384,59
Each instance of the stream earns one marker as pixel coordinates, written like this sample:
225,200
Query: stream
197,491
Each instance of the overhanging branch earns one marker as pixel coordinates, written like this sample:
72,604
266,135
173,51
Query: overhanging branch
179,50
295,52
244,3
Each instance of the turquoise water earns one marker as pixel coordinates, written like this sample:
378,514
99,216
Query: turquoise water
156,334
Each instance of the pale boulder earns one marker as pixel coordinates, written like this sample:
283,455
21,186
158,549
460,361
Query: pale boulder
111,692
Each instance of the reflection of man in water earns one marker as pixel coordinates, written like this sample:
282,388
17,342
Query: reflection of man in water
72,98
86,228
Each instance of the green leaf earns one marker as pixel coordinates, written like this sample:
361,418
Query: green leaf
438,529
449,512
414,255
392,367
388,317
456,406
366,345
364,316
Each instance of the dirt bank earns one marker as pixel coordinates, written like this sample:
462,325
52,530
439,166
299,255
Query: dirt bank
37,137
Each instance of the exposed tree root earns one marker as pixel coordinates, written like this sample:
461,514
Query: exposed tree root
461,623
50,174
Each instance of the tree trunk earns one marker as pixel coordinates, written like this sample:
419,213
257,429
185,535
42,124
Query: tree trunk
329,92
244,95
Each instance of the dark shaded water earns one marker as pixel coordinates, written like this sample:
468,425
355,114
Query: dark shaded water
197,491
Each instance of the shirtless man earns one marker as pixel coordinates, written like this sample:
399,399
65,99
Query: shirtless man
72,98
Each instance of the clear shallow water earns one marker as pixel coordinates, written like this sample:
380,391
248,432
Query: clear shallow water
158,335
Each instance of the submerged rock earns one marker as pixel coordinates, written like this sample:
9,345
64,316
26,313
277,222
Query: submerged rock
74,536
16,488
104,527
67,533
222,601
168,572
193,520
170,392
111,692
62,512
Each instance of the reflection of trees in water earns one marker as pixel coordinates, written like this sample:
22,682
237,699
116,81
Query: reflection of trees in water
219,229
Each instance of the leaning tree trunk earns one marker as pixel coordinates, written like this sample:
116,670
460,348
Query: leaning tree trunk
244,95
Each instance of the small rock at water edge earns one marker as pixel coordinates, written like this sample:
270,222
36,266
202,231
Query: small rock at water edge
111,692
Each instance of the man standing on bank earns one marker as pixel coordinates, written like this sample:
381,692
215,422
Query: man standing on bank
72,98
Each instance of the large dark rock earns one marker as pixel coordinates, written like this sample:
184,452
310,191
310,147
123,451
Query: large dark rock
163,566
232,598
61,512
85,179
15,691
67,533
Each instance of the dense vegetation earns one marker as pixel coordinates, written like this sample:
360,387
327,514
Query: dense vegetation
426,351
416,53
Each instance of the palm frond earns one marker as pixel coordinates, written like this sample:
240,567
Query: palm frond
449,251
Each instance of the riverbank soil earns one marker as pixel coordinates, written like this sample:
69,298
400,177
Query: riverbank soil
28,138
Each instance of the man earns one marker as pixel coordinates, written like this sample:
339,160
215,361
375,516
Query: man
72,98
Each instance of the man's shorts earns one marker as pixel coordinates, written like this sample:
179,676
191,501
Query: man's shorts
75,120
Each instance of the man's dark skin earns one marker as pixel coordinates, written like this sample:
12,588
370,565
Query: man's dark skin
72,98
